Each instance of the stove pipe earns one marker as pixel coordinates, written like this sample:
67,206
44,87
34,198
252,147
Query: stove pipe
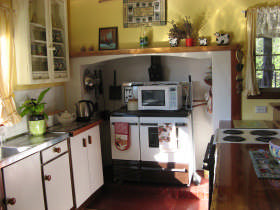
155,70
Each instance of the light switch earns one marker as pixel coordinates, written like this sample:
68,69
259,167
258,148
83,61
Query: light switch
261,109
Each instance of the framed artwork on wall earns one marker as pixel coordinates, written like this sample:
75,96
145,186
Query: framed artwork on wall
108,38
144,12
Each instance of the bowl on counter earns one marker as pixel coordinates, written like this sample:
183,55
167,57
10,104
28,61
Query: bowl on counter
66,117
274,148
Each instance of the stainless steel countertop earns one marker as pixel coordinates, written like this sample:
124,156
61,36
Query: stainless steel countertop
24,145
73,126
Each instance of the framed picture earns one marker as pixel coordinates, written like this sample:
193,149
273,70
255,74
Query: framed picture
144,12
108,38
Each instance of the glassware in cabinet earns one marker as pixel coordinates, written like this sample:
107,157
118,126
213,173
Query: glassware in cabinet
60,61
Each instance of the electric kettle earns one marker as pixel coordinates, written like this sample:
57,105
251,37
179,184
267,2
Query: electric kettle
84,110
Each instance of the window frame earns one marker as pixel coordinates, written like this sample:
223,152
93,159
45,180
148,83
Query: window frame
266,93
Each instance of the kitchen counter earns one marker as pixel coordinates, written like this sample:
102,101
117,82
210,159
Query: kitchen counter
236,185
21,146
123,112
75,127
267,124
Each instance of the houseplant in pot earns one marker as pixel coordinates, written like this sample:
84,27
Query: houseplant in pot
34,109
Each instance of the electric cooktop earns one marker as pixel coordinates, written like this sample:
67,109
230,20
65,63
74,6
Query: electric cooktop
246,136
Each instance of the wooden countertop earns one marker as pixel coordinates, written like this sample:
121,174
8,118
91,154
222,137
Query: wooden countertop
275,105
236,184
267,124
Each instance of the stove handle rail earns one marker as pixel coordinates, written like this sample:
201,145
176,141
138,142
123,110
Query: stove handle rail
128,123
156,124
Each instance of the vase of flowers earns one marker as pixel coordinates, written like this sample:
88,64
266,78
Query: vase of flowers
188,31
34,109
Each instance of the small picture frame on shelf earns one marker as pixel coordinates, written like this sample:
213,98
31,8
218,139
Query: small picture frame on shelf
108,38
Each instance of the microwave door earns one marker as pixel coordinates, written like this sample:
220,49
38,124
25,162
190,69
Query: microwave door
154,99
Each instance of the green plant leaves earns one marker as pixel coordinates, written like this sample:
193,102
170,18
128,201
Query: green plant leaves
34,106
42,95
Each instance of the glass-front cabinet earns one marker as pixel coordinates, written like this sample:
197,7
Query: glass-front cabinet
41,43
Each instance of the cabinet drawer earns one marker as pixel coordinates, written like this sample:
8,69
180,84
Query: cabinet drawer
54,151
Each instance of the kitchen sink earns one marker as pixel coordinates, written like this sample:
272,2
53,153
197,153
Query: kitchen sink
25,141
9,151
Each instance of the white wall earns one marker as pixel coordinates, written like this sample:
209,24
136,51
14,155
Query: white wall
54,99
175,69
134,67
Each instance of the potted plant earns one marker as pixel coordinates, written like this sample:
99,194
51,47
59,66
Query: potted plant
34,108
188,31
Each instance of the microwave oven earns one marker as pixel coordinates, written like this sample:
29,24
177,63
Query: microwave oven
160,97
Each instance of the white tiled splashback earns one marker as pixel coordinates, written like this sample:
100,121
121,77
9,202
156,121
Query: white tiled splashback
54,99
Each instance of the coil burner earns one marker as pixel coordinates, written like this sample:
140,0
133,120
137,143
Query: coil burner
233,132
234,138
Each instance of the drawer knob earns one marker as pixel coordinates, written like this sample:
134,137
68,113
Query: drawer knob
84,142
89,140
48,177
57,149
11,201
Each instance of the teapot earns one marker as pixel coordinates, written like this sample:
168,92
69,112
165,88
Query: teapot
66,117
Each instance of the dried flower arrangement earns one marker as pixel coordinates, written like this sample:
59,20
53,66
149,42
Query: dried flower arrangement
180,31
187,27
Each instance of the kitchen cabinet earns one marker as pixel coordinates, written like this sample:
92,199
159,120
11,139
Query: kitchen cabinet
87,163
57,179
94,159
41,41
23,184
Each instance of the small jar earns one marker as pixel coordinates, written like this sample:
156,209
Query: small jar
132,105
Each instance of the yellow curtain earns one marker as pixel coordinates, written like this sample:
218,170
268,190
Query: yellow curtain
251,85
8,112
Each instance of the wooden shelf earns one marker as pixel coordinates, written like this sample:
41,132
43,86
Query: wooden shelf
155,50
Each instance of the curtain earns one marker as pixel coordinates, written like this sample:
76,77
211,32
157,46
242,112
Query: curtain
268,22
251,86
8,112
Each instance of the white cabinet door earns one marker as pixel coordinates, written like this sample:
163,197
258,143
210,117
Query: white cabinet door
23,181
94,159
41,41
80,167
87,164
58,184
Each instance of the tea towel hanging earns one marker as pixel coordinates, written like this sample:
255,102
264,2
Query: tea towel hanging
122,136
167,137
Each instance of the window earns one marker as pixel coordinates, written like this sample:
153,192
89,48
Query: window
268,62
263,52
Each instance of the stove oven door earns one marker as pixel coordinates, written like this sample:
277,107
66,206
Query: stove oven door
149,141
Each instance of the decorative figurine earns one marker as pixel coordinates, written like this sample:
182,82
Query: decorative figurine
83,49
202,41
91,48
222,39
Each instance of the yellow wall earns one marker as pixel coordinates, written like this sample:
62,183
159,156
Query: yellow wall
87,16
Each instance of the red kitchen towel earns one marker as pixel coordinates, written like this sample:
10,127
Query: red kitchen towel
122,136
167,137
